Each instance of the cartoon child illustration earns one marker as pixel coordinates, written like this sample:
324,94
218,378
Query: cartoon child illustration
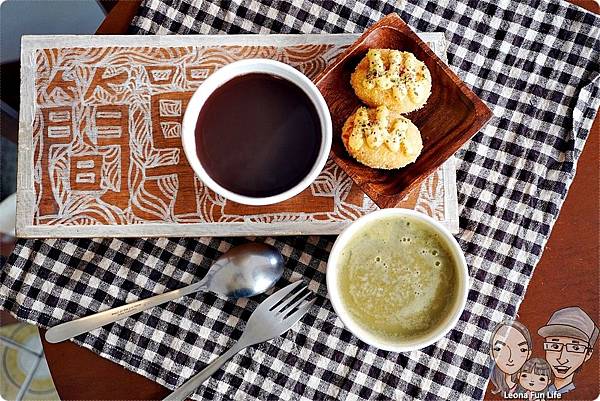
534,377
510,347
569,338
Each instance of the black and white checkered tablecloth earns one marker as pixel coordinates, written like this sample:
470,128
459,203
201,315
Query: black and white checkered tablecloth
536,65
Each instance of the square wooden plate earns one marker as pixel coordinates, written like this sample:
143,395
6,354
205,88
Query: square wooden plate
452,115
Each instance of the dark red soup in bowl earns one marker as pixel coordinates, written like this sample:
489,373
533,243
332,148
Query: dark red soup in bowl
257,132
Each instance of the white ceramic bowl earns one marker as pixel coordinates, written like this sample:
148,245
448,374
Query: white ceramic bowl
445,325
243,67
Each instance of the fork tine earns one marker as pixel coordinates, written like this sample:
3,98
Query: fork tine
288,308
294,317
279,295
288,300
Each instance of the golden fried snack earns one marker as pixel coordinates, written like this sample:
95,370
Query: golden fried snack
381,138
393,78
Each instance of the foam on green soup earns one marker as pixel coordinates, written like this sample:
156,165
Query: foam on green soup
397,278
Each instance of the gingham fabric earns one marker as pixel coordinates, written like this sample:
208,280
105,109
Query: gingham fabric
535,63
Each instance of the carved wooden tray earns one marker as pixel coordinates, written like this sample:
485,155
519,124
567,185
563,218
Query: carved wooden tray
100,152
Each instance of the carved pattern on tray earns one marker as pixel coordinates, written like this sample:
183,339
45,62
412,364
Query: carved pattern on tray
106,140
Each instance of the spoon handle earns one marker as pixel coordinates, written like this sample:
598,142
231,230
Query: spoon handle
181,393
64,331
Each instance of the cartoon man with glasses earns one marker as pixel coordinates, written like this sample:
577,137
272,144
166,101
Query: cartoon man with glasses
569,338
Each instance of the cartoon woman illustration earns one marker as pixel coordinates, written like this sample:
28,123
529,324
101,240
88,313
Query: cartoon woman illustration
510,347
534,377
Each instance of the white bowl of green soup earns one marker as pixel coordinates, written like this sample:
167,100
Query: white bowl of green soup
397,279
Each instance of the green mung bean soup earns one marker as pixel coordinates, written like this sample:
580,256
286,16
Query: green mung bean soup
398,278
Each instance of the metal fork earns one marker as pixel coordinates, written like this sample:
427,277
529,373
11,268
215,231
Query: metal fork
273,317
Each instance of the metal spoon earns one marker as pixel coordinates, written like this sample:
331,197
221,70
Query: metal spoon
243,271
